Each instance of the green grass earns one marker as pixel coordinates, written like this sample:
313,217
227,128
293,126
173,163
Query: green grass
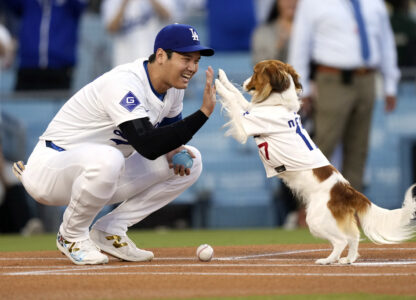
175,238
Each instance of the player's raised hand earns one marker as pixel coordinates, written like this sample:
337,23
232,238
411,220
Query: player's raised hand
208,102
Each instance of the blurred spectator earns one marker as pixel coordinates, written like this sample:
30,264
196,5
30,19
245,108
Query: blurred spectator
134,23
15,213
7,47
262,8
48,39
404,28
348,41
271,40
231,24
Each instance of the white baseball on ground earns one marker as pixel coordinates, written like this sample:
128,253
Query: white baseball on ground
205,252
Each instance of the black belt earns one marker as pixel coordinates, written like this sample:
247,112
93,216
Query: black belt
53,146
346,74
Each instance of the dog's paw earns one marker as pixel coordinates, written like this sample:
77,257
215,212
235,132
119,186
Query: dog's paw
345,261
225,95
323,261
348,259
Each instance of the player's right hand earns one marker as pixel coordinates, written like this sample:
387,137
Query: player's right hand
179,169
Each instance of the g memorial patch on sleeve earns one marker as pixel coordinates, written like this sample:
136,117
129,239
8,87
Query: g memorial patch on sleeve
129,101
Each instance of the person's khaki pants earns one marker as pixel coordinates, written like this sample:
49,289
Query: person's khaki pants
343,114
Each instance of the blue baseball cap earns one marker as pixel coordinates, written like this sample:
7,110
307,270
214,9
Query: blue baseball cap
180,38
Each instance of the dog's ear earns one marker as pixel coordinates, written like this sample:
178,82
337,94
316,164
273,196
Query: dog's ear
278,76
295,77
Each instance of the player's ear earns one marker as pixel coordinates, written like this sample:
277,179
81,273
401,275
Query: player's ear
160,55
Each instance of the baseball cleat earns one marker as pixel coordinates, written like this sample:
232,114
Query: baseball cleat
18,168
120,246
81,253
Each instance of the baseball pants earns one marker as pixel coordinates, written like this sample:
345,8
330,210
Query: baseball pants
90,176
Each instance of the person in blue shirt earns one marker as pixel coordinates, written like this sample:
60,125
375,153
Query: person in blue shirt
48,38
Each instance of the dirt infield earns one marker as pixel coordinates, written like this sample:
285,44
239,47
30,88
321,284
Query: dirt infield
235,271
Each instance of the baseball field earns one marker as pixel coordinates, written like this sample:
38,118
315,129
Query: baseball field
248,264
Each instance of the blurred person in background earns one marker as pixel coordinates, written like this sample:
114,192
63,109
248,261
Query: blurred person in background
348,41
14,210
134,23
271,41
16,216
7,48
47,45
404,28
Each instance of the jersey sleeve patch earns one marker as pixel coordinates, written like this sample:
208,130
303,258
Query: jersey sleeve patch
130,101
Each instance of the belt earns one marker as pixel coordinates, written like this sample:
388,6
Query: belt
358,71
53,146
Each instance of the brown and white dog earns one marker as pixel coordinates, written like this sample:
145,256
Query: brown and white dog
332,204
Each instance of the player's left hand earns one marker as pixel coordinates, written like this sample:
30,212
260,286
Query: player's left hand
209,100
179,169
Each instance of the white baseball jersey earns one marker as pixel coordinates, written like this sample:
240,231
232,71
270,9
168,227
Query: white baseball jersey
283,143
93,114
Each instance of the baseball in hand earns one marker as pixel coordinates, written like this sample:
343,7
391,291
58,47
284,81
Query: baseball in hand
205,252
183,158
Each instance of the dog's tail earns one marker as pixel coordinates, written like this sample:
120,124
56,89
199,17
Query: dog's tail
383,226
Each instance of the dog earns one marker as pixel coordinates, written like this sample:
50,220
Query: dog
287,151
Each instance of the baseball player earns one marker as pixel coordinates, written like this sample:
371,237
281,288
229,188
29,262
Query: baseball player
113,142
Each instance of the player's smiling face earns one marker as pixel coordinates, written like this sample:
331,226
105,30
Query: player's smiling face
180,68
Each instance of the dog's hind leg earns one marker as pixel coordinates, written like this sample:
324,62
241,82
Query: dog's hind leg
353,241
331,233
323,225
338,245
352,251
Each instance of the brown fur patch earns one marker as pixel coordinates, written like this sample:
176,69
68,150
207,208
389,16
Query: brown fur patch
323,173
344,203
271,76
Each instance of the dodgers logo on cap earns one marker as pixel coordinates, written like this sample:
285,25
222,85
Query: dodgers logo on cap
180,38
195,36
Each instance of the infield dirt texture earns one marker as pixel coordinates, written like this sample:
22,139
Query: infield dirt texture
235,271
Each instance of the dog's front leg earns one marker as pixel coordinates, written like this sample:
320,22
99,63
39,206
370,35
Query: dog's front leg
238,96
234,113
